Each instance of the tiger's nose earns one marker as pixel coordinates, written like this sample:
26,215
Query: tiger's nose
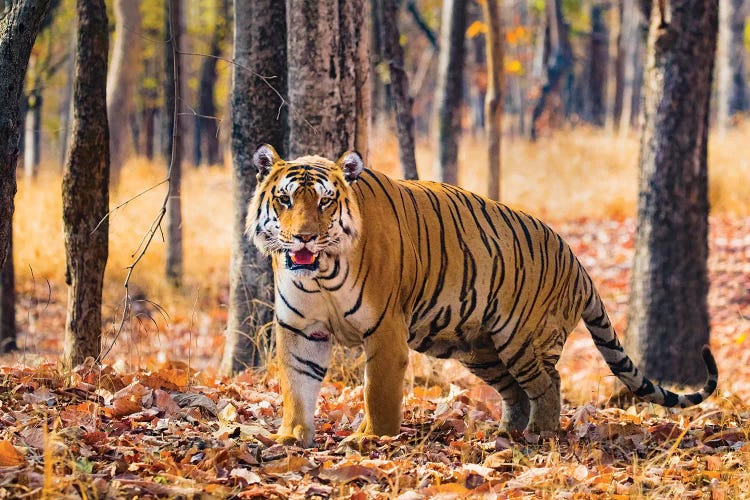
305,237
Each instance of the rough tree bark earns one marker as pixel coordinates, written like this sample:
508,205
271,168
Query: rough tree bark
258,117
731,89
449,91
394,55
121,81
8,302
173,134
494,98
19,25
85,191
66,106
595,106
327,57
668,320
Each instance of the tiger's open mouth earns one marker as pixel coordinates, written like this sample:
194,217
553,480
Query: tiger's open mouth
302,259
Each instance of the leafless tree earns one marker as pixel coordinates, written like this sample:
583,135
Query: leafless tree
121,81
8,302
394,55
327,57
15,49
173,145
668,320
258,117
731,89
86,187
449,90
494,97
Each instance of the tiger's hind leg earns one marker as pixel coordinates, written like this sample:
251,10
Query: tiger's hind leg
541,388
515,401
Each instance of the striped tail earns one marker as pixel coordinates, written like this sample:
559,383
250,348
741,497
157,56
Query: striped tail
622,366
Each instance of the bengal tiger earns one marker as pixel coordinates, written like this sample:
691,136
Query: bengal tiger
365,259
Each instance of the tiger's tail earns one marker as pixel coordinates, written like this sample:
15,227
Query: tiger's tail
622,366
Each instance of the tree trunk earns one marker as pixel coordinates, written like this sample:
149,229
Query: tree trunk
394,55
121,81
8,302
595,107
18,29
205,130
632,47
475,87
616,67
149,119
731,88
378,64
66,106
494,97
86,187
173,144
668,320
559,61
32,149
258,117
327,56
448,94
206,138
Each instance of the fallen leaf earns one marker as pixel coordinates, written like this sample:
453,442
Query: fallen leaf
249,477
193,400
128,400
348,473
10,456
290,463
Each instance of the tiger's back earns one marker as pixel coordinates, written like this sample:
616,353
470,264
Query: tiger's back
483,270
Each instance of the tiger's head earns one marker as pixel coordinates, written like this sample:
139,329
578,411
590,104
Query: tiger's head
305,208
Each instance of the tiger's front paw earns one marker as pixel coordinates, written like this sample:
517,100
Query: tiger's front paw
299,435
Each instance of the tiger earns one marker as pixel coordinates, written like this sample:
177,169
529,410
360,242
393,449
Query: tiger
362,259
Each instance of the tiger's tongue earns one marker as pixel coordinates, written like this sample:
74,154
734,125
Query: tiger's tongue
302,257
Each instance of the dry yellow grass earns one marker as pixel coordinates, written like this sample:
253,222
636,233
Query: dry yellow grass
207,197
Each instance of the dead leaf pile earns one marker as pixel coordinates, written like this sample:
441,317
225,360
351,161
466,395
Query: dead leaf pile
173,429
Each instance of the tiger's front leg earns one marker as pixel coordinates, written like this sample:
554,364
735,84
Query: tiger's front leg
303,357
387,358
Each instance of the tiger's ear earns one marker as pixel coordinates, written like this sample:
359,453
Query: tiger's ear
263,159
351,164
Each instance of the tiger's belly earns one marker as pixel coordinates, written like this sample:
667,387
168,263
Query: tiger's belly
452,341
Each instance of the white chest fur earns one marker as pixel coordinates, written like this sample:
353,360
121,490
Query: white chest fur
332,303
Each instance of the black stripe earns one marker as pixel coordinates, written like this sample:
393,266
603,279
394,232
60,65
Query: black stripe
288,305
299,286
358,302
308,374
374,327
300,333
315,367
482,366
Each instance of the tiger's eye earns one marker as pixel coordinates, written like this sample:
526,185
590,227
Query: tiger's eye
325,201
284,199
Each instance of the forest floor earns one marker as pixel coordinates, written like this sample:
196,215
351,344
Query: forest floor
168,427
156,421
